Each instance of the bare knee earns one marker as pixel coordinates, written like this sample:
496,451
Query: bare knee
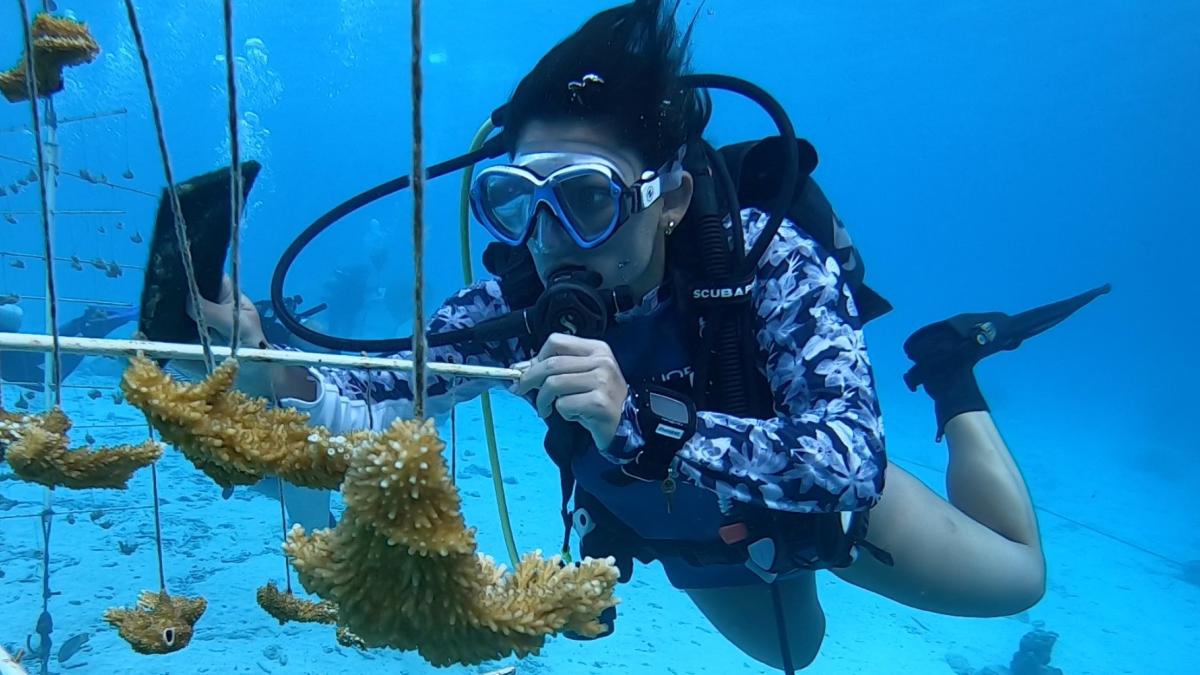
1021,587
1028,585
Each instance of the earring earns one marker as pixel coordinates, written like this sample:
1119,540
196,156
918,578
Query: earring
670,227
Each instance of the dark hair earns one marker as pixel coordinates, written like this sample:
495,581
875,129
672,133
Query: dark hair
621,70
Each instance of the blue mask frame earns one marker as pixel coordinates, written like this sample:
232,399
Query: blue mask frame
515,229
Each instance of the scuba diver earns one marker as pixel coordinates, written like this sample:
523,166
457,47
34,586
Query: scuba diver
25,369
729,429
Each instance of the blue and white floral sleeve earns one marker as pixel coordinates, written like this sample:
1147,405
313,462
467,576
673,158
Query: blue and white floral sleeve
824,451
342,397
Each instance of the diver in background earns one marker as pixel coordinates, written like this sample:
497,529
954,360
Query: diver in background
594,186
25,369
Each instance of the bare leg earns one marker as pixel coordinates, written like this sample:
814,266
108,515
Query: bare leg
978,554
743,615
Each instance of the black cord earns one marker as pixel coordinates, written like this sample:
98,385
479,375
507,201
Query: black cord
158,547
785,649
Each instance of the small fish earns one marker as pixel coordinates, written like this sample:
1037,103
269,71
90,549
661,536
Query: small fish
32,177
117,397
3,191
72,646
29,395
136,237
99,264
94,394
102,179
76,263
21,404
90,439
85,174
9,299
128,175
10,218
120,225
22,182
113,271
18,263
101,230
14,188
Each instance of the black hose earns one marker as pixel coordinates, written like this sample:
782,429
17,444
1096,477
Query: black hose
492,148
730,380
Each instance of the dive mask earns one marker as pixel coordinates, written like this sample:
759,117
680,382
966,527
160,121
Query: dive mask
587,195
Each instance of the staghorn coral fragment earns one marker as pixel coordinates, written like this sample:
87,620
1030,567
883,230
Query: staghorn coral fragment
403,569
287,607
233,438
36,449
159,624
58,42
348,639
401,566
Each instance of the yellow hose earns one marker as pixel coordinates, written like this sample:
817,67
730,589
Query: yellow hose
464,234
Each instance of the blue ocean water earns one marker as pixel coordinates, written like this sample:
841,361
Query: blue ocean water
985,156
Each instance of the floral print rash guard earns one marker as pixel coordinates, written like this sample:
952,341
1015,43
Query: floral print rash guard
822,452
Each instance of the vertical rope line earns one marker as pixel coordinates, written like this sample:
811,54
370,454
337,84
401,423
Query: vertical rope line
418,188
47,244
370,403
158,547
283,526
185,248
235,181
287,569
45,621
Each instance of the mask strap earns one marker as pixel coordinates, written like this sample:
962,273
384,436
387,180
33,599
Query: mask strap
671,172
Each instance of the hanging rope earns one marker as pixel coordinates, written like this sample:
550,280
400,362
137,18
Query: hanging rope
283,526
287,568
418,188
158,547
185,247
235,180
47,243
45,622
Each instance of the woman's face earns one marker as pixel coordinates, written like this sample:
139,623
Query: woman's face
634,255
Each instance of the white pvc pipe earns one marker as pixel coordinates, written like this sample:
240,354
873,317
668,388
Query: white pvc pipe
25,342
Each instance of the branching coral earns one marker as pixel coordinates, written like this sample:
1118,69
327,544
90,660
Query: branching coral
401,566
159,624
231,437
58,42
287,607
36,448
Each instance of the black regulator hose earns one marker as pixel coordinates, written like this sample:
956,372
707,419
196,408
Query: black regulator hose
729,377
492,148
727,332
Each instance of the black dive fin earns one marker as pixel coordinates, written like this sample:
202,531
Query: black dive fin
206,206
964,339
